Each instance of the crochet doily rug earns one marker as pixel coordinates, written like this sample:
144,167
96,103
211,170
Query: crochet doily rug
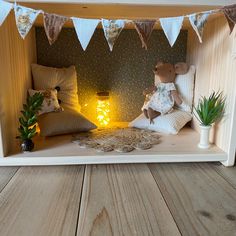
117,139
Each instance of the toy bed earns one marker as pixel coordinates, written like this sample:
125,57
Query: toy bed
214,62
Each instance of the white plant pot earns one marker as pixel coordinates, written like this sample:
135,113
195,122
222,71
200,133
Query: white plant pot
204,137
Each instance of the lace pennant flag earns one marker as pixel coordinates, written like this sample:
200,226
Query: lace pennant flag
53,25
198,22
25,18
112,30
172,27
85,29
230,14
5,8
144,29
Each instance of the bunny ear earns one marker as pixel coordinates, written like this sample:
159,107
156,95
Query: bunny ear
181,68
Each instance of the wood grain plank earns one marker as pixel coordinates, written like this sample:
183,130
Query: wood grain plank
200,200
15,79
229,174
41,201
6,173
123,200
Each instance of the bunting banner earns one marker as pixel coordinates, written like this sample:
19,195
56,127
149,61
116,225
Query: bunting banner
85,29
198,22
144,29
172,27
112,30
230,14
25,18
53,25
5,8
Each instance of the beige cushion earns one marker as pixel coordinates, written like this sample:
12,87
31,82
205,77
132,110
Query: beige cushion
50,102
185,86
68,121
64,78
170,123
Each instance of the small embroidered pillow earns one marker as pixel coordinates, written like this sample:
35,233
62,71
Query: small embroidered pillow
50,102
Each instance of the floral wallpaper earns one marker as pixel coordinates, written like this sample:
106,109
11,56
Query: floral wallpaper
125,72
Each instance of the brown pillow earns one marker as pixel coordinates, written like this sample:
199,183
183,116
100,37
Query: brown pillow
62,79
68,121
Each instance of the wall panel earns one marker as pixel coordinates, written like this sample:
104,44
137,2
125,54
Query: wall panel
216,70
125,72
16,56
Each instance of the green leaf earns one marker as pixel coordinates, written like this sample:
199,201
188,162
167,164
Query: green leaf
22,121
31,135
32,130
32,121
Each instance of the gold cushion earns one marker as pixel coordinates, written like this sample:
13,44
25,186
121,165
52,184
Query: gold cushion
68,121
64,79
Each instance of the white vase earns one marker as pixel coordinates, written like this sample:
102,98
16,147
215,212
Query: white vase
204,136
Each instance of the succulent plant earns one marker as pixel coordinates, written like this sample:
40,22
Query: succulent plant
210,109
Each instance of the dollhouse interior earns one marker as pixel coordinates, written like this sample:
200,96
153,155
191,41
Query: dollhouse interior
124,73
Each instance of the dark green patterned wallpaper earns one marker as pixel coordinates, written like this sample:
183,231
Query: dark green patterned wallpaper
125,72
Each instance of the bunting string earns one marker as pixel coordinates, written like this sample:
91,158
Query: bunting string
85,28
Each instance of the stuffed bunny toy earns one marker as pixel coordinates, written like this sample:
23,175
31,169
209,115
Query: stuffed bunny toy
161,98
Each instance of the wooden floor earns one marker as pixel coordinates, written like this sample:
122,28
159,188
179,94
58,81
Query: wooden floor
132,199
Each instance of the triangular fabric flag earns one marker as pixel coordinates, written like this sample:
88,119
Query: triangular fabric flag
25,18
231,25
53,25
230,14
144,29
172,27
112,30
5,8
198,22
84,29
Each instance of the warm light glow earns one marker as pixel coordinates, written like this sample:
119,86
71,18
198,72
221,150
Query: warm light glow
103,111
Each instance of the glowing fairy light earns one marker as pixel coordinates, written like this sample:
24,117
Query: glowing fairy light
103,108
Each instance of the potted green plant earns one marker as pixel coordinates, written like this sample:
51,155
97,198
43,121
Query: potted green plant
208,111
28,121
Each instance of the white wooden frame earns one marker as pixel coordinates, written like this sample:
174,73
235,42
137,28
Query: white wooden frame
172,148
14,51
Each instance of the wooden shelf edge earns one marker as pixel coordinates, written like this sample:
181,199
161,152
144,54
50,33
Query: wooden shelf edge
113,159
138,2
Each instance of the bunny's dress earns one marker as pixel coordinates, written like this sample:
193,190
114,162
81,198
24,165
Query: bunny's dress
162,100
